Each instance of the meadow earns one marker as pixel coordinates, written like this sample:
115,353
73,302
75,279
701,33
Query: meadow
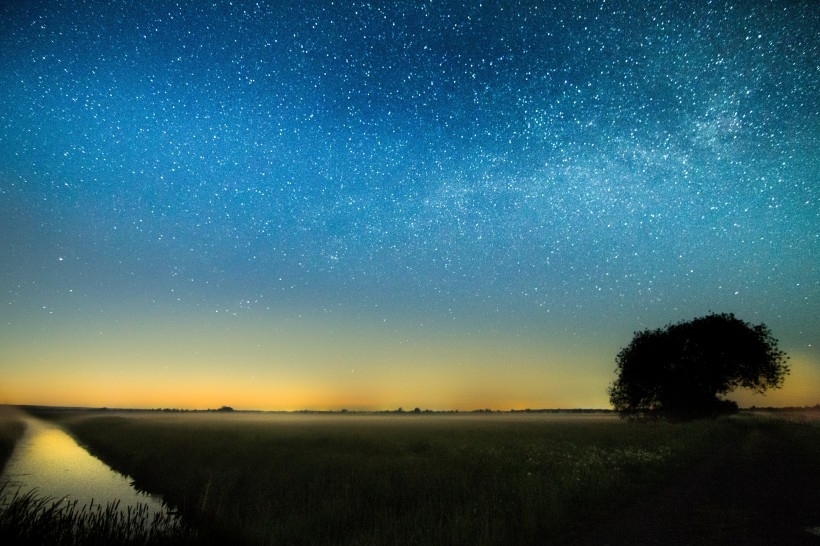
467,479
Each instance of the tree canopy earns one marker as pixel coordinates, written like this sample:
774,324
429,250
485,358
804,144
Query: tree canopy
683,370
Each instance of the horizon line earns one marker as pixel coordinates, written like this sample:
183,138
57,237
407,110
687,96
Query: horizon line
396,411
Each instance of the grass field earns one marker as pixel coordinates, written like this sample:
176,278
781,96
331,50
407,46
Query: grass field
466,479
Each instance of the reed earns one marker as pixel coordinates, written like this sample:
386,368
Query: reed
26,518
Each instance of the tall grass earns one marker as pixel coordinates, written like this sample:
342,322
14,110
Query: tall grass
30,519
393,480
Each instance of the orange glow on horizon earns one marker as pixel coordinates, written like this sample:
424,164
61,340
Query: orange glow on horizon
190,363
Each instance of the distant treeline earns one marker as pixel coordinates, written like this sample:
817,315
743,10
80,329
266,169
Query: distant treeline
398,411
787,409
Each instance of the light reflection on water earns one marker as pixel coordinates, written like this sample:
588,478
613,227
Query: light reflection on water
50,461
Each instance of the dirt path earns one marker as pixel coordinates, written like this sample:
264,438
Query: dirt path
759,487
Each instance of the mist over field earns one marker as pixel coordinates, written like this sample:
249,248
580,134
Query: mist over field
478,478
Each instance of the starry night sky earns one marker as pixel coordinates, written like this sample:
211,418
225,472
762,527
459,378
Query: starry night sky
368,205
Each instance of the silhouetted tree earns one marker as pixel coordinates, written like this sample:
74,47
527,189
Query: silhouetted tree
684,369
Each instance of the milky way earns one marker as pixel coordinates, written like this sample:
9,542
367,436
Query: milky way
517,169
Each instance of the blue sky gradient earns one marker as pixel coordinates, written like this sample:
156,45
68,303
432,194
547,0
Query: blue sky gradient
467,204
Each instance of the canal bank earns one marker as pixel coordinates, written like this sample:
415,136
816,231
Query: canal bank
50,462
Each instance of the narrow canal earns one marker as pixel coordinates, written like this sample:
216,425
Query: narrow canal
51,462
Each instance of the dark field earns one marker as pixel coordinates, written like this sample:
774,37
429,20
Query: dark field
11,428
469,479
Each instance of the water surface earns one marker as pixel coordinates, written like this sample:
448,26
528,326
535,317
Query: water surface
49,460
